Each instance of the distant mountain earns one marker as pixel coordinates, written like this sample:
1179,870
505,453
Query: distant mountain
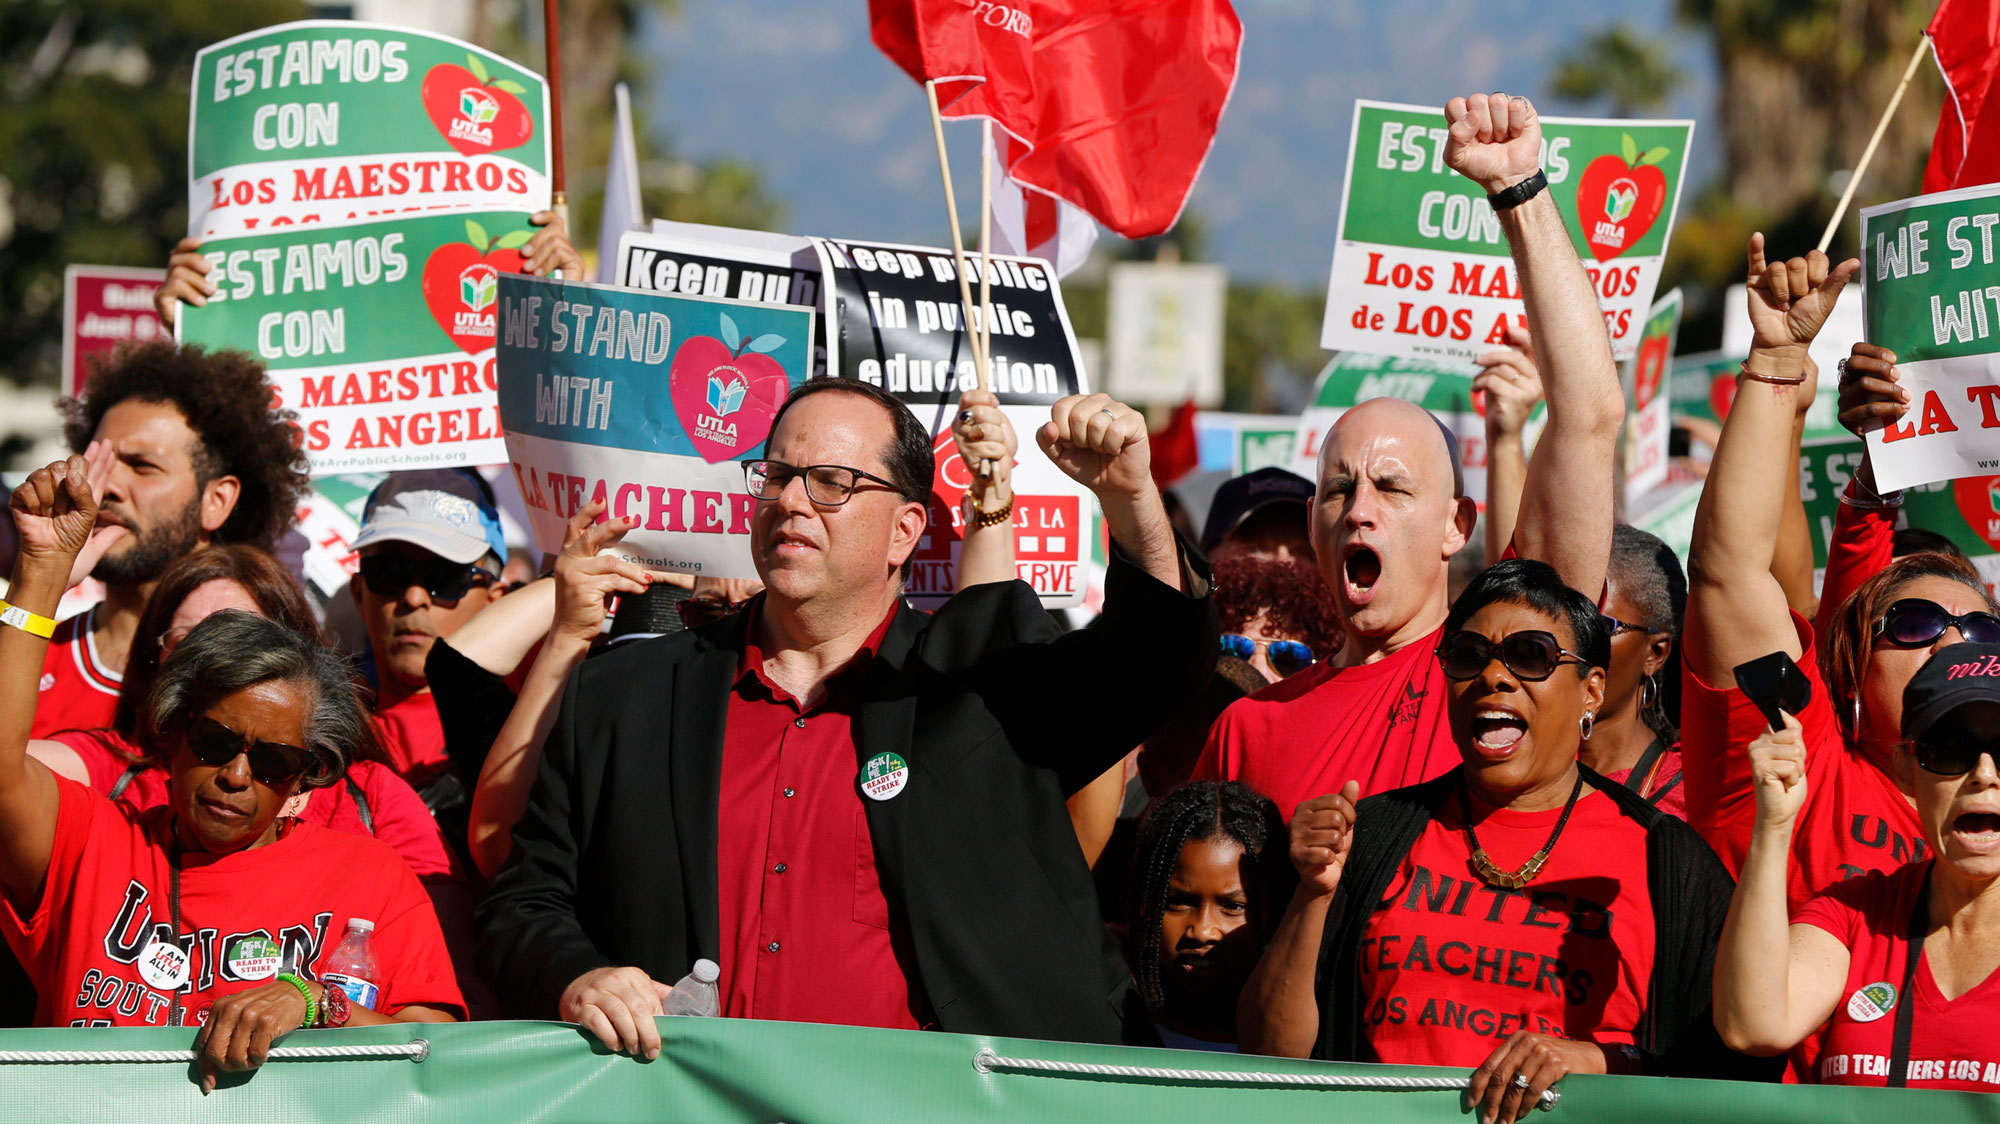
843,139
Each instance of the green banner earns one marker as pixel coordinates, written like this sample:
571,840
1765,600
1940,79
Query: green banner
1933,298
379,334
1647,423
334,120
1421,267
730,1071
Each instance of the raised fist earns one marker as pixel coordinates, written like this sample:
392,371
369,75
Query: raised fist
1099,443
1495,140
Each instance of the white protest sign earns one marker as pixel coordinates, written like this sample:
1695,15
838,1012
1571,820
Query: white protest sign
1165,333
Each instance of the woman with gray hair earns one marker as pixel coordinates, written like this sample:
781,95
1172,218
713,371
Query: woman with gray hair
215,908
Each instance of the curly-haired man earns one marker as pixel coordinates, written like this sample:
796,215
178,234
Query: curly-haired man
197,457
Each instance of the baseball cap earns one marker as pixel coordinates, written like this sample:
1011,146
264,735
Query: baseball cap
447,511
1239,498
1955,676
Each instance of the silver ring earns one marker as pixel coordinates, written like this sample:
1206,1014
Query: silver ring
1107,410
1521,1081
964,416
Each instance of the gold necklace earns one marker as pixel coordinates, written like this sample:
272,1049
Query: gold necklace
1491,872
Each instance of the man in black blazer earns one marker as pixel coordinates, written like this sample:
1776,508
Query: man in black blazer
967,729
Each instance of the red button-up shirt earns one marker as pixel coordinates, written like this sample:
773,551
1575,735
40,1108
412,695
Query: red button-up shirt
805,928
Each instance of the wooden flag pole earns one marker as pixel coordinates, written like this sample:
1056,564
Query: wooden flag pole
552,42
957,240
1868,154
986,276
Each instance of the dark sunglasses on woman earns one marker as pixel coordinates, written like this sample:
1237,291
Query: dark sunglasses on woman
1954,755
1288,657
388,575
1917,622
273,763
1531,655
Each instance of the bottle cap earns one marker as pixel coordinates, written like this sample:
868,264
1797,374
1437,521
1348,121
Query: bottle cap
360,923
706,971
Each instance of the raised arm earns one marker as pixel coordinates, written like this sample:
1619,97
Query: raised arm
1775,982
1864,523
1737,609
1278,1012
1101,444
981,433
1566,503
1511,384
54,512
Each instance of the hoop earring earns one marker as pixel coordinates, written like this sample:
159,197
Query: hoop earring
1586,724
1855,728
1651,684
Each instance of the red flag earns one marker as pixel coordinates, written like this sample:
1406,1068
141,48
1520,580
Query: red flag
1965,39
1176,450
1112,104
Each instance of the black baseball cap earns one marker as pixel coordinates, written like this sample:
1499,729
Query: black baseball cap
1239,498
1954,677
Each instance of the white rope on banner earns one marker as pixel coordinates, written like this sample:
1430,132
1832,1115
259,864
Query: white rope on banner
986,1061
416,1050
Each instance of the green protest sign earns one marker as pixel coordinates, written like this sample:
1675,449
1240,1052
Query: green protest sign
1421,268
379,334
334,120
1933,298
1647,409
1965,510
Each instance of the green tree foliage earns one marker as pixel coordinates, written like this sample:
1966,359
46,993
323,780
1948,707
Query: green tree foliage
93,146
1618,66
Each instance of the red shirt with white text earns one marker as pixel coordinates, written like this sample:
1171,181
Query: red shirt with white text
78,692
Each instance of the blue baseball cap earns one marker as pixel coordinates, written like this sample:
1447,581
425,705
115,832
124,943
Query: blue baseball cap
447,511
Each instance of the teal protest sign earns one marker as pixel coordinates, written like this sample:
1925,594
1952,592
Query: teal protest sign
1421,268
648,403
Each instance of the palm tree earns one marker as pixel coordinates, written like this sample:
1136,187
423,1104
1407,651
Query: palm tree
1633,74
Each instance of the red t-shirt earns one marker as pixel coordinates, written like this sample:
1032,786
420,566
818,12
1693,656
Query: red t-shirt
78,691
806,931
1862,543
1382,724
412,736
396,812
1667,790
1450,967
108,894
1855,819
1952,1045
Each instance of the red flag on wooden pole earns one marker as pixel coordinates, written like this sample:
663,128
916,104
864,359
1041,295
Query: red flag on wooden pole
1965,34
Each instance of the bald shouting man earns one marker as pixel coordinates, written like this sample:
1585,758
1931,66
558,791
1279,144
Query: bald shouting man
1391,510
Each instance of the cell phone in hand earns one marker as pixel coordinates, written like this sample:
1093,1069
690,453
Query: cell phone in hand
1776,685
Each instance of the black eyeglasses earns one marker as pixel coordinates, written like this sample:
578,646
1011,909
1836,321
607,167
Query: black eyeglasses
1915,622
1954,757
388,575
698,611
273,763
1288,657
1618,626
828,485
1532,655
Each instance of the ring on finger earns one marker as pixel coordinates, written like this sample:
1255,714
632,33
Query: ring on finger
1107,410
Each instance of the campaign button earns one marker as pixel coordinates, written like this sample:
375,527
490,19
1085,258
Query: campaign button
253,958
164,965
1871,1002
884,775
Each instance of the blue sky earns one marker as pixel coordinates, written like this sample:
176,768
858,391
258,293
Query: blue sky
843,139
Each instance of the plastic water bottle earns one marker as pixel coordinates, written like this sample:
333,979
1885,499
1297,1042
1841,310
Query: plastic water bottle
697,994
351,968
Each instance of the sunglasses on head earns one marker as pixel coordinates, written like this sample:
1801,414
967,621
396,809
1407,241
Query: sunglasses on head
1532,655
1288,657
273,763
1618,626
388,575
1917,622
698,611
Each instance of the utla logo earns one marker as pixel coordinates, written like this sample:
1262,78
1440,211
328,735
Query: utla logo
727,391
1619,199
474,112
461,284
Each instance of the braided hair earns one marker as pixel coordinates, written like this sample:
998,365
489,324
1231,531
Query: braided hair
1649,575
1197,812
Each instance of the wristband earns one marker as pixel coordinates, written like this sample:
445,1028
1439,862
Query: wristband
305,993
34,624
983,518
1774,380
1511,197
1863,498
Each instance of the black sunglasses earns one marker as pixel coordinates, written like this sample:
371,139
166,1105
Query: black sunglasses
1916,622
1954,757
388,575
698,611
1618,626
828,485
1532,655
273,763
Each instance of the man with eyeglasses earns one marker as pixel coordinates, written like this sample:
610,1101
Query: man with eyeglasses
431,551
1390,511
854,808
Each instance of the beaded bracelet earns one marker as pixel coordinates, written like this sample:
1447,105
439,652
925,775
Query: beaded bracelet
305,993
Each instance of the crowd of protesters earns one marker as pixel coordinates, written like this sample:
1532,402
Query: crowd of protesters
1289,793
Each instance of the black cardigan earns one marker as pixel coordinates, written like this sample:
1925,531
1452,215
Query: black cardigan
1690,896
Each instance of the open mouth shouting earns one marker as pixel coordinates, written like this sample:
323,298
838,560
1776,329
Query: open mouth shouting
1497,731
1360,573
1977,832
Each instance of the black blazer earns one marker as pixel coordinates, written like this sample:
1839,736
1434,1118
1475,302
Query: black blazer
1000,720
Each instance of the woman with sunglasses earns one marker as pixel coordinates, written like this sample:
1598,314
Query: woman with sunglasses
1637,742
1520,914
1886,978
242,902
1277,614
1856,816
